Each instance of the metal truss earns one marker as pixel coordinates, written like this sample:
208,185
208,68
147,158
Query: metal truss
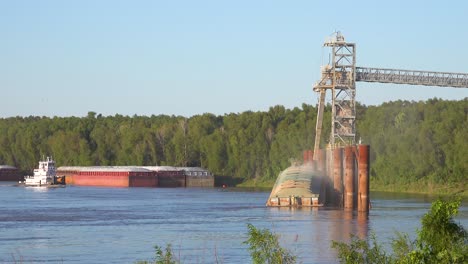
427,78
339,77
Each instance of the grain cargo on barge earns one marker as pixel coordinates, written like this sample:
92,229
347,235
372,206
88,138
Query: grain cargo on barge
298,186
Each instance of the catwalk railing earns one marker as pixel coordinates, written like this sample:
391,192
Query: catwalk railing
427,78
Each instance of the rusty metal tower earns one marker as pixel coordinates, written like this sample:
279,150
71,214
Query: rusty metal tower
339,77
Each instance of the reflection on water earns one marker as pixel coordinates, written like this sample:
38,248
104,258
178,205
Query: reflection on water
38,188
311,230
102,225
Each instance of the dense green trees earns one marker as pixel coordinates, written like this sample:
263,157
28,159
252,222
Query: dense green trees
414,141
409,140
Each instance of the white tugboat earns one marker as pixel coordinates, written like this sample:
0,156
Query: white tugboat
45,175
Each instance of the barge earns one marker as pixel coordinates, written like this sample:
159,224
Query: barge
137,176
298,186
9,173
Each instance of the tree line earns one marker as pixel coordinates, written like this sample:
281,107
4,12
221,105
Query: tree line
409,140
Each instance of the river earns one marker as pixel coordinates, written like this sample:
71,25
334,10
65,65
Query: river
121,225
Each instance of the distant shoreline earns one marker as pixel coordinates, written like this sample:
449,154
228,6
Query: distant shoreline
411,188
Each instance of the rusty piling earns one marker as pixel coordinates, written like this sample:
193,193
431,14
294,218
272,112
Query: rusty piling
363,180
305,158
321,160
349,177
337,176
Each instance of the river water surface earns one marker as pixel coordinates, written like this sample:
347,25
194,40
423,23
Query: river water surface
121,225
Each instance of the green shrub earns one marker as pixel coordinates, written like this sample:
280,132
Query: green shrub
440,240
165,256
264,247
360,251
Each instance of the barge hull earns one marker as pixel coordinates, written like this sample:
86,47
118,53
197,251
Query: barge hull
104,181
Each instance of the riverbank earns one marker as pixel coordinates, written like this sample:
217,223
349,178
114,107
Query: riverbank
260,184
422,187
419,187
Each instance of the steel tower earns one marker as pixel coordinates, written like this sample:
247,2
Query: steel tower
339,77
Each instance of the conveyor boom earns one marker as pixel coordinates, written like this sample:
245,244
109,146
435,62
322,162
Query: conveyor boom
427,78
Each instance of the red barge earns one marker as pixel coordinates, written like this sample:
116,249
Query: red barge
137,176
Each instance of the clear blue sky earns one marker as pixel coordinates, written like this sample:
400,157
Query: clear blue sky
64,58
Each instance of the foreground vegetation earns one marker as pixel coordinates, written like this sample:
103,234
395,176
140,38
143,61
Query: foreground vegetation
440,240
264,248
411,142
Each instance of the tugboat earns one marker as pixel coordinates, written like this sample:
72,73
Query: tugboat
45,175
